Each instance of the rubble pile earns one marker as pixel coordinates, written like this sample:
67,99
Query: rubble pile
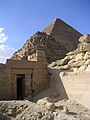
44,109
77,60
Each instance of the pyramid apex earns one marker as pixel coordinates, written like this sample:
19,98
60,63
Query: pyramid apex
56,19
63,33
50,27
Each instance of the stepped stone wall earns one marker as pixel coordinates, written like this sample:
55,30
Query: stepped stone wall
24,78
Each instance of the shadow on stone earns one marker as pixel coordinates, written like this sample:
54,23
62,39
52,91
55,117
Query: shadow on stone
56,83
72,113
4,117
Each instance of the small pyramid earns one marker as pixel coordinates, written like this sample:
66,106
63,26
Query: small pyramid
63,33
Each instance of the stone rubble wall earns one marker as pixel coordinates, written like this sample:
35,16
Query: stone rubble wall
77,60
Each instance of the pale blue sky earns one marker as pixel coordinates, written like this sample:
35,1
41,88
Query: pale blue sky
22,18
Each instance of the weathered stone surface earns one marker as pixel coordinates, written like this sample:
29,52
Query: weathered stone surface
82,68
53,64
78,59
71,53
63,61
50,106
44,101
76,64
65,67
75,69
87,62
84,47
87,55
85,39
88,68
79,56
71,61
47,102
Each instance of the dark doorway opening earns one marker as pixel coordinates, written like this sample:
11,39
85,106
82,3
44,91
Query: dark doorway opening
20,86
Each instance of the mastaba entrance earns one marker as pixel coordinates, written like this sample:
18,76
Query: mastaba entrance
23,78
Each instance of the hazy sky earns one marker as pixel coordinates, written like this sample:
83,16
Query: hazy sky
19,19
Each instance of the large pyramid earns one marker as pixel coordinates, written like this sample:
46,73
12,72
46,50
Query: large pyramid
63,33
57,39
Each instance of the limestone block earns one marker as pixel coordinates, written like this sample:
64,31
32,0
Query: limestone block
75,69
71,53
85,39
87,55
43,101
71,61
79,56
72,57
65,67
88,68
87,62
53,64
47,102
32,58
84,46
63,61
82,68
77,64
75,52
50,106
